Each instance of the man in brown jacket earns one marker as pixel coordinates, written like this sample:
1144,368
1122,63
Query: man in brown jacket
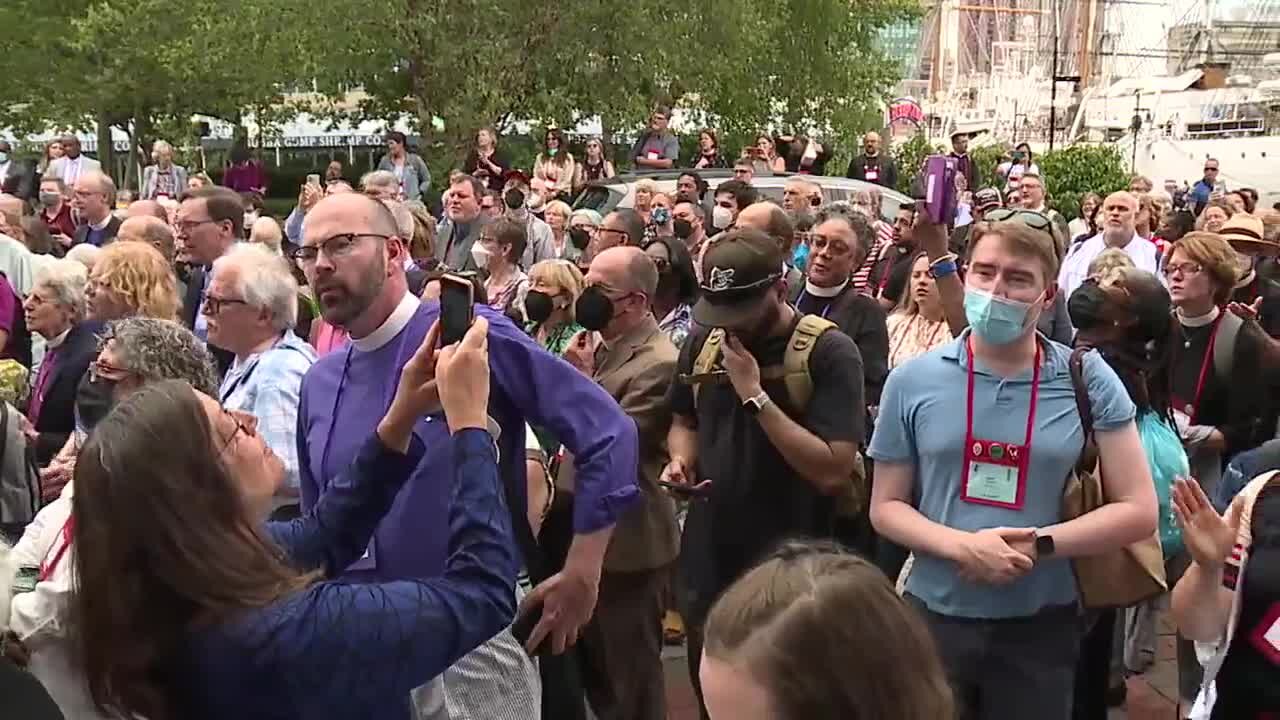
626,353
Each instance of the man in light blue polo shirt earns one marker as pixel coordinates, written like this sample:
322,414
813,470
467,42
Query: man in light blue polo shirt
971,463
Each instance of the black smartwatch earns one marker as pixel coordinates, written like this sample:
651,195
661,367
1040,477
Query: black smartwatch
755,404
1044,545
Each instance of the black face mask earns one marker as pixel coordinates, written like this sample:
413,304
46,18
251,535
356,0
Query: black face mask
94,399
579,237
514,199
682,228
668,284
538,306
594,309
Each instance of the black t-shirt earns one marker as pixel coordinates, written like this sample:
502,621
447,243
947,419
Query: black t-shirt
862,319
1269,291
756,498
1249,682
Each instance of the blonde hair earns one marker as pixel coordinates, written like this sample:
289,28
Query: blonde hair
646,185
562,274
800,624
266,231
139,274
1106,266
561,207
1216,257
907,304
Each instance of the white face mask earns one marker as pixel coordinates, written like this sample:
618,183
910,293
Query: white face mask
534,202
249,219
721,217
480,255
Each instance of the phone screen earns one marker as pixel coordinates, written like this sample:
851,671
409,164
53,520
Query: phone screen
456,310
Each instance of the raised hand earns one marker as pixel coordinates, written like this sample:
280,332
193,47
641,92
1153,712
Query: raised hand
1208,536
744,371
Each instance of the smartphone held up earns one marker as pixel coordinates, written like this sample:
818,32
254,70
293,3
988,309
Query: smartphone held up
457,307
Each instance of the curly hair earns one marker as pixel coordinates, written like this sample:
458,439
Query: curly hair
157,349
139,274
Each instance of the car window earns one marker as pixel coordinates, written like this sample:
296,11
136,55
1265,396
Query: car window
601,198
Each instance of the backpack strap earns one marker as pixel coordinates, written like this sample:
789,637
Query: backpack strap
707,358
1084,406
1224,344
795,361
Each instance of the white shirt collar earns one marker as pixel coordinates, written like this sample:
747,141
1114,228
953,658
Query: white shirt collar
1198,320
390,327
54,342
102,225
822,292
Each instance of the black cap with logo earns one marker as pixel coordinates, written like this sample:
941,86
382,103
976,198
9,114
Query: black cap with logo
738,268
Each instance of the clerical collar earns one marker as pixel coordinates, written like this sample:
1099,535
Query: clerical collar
823,292
390,327
1198,320
54,342
1246,281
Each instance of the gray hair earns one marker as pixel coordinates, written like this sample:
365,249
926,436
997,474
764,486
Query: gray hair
85,254
266,232
105,184
263,281
403,216
854,218
66,280
156,349
379,178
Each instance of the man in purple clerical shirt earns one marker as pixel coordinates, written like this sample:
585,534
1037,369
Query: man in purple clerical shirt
352,257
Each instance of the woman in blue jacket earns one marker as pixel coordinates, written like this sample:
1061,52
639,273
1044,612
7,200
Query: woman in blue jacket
189,607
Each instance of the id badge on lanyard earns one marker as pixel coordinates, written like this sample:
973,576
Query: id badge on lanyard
995,473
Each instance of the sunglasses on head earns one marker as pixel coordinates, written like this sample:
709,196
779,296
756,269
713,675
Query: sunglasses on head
1030,218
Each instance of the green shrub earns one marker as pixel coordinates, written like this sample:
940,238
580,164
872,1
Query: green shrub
1071,172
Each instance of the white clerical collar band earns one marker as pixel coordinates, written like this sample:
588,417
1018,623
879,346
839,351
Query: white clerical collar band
1198,320
391,327
822,292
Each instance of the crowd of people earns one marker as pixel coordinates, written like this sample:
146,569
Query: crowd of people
246,478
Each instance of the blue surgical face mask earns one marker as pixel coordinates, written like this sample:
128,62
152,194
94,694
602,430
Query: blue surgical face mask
996,320
800,257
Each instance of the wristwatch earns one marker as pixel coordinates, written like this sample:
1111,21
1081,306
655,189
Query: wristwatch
1044,545
755,404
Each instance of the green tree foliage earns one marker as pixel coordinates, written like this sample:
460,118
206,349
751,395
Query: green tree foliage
77,64
741,66
910,156
1071,172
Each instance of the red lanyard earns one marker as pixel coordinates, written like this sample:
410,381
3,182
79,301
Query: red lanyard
1031,413
1205,364
47,567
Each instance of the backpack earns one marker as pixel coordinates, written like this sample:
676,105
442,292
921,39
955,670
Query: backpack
794,374
1224,345
19,474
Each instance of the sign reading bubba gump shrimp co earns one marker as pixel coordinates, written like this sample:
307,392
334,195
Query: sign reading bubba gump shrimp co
905,111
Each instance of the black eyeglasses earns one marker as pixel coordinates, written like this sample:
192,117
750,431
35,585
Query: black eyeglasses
335,247
1030,218
214,305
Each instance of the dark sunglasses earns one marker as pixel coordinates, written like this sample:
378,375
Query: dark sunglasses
1030,218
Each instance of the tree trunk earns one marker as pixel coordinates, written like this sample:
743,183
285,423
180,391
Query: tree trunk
106,150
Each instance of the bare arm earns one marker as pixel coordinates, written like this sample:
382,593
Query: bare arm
933,238
682,440
1201,605
894,516
1129,514
826,466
